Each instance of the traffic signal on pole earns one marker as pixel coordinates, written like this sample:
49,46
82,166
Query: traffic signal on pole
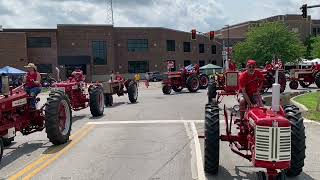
193,34
211,35
304,11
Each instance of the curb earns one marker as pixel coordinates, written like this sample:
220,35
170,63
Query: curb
299,105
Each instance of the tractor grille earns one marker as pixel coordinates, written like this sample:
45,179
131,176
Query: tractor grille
273,143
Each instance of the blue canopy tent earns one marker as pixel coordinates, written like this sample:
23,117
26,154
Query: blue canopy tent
11,71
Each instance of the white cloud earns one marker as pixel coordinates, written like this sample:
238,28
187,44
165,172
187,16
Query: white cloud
203,15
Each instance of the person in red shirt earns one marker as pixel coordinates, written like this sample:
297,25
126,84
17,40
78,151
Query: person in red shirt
232,65
119,77
32,83
251,82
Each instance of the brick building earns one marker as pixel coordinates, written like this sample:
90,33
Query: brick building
98,49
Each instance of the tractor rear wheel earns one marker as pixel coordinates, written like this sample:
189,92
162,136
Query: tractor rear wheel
212,140
1,149
58,118
304,84
298,140
166,89
177,89
96,101
282,82
204,81
193,83
294,84
317,79
108,100
133,92
7,141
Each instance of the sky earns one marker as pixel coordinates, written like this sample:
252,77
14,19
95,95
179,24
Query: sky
203,15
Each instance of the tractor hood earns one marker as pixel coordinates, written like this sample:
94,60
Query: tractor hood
266,117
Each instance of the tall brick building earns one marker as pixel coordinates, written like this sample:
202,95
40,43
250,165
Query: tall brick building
98,49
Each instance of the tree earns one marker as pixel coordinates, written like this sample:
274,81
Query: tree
269,40
315,46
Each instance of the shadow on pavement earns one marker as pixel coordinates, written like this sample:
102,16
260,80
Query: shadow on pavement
224,174
77,117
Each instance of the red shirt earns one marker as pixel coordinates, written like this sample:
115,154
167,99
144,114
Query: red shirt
31,77
251,83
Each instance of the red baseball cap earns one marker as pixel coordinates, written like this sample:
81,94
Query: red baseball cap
251,62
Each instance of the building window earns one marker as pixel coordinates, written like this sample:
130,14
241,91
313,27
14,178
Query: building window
138,66
186,47
99,52
44,68
318,31
137,45
186,63
201,48
213,49
314,31
171,45
202,63
38,42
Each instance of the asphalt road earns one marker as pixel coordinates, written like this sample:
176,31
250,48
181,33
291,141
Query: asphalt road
155,138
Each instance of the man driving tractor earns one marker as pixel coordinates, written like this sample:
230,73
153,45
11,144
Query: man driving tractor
32,82
251,82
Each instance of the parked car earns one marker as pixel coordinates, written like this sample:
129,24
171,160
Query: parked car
155,76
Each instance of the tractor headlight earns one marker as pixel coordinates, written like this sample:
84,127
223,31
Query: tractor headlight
236,108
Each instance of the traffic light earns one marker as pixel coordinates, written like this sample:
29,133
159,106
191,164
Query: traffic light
193,34
211,35
304,11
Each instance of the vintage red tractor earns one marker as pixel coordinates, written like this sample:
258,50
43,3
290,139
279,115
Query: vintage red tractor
305,77
117,87
80,95
269,75
16,114
271,138
187,77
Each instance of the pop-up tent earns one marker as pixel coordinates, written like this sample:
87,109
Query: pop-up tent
11,71
210,69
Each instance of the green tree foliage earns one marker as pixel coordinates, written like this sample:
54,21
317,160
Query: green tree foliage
315,46
268,40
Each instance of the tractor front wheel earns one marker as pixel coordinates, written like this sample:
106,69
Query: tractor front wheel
108,100
166,89
294,84
211,141
298,140
96,101
1,148
204,81
304,84
133,92
193,83
58,118
317,79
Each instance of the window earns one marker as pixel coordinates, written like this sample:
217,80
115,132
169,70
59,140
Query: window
138,66
186,63
186,47
171,45
213,49
99,52
137,45
201,48
38,42
314,31
202,63
44,68
318,31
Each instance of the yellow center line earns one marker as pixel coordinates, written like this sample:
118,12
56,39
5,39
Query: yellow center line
46,156
60,153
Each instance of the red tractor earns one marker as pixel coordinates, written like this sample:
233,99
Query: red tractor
305,77
117,87
269,75
80,96
187,77
271,138
17,114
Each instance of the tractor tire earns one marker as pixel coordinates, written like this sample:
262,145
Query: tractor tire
96,101
133,92
1,148
177,89
193,83
166,89
212,140
317,79
58,118
304,84
212,91
294,84
282,81
108,100
204,81
298,140
7,141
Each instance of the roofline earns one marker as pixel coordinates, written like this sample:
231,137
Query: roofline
78,25
27,30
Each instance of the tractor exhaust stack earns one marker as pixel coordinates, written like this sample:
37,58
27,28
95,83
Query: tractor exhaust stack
5,88
276,92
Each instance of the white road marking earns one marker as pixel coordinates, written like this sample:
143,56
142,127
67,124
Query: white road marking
194,169
201,175
147,122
